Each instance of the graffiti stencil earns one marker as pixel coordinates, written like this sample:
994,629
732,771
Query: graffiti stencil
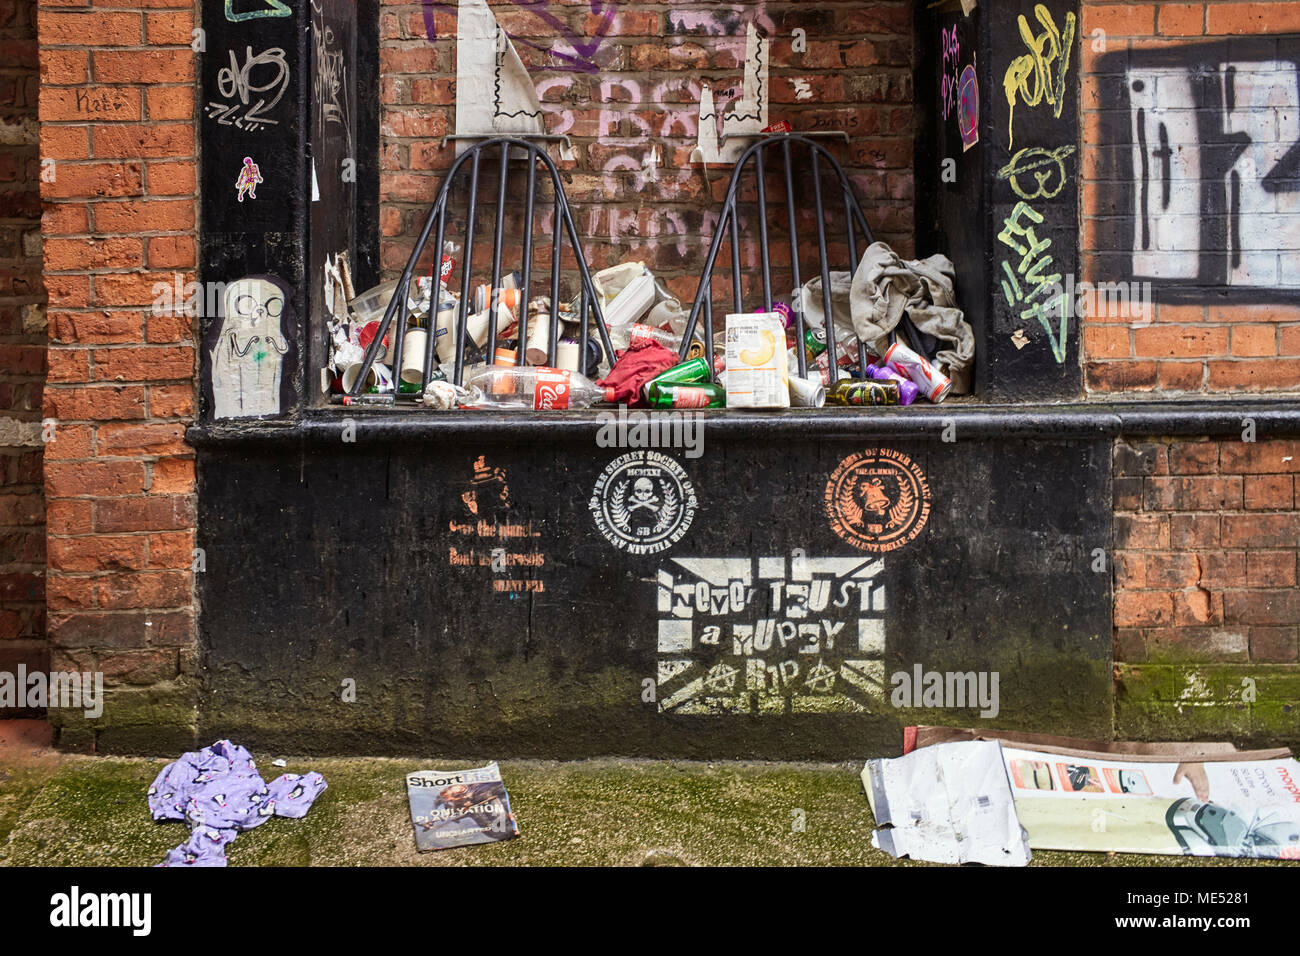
771,635
877,500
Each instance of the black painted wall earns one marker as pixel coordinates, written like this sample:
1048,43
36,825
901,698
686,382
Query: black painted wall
297,94
1000,199
331,561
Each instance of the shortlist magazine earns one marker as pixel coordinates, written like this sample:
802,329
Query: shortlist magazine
451,808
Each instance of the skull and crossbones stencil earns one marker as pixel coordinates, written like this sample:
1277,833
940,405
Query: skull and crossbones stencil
643,496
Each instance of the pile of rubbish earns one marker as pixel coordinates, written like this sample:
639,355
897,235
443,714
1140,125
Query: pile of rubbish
991,797
894,335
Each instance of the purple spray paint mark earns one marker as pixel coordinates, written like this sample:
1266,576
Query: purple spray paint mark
585,48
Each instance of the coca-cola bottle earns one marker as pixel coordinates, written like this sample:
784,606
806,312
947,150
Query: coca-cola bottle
537,387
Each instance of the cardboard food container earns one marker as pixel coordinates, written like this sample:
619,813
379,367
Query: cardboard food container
758,374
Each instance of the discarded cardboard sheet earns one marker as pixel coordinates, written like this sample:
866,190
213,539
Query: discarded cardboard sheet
950,803
1192,799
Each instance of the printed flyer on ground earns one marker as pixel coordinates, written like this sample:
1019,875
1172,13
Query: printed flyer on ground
451,808
1141,804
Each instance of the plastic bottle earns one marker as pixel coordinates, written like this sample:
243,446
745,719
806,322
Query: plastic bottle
537,387
625,336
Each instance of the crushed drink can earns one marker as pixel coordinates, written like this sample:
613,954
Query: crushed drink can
857,392
933,384
907,389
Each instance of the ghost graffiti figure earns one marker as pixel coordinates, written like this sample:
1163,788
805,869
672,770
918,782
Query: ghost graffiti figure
249,353
248,179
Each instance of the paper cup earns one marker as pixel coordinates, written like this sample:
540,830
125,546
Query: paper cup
413,347
476,326
539,338
380,378
567,356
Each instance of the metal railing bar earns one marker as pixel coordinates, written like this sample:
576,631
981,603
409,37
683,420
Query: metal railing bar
462,326
800,358
736,287
435,299
705,290
588,289
557,250
544,137
831,350
494,290
522,350
760,172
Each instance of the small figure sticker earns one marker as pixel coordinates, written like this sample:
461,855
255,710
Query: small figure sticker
248,179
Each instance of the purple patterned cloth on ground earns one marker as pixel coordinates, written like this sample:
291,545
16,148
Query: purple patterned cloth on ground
218,792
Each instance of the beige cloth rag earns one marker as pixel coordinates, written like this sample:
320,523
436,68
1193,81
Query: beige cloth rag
872,301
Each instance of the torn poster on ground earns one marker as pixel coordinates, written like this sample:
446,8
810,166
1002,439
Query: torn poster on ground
1181,799
949,803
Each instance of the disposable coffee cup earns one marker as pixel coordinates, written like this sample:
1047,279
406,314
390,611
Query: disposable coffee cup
413,348
379,378
567,355
539,338
807,392
476,326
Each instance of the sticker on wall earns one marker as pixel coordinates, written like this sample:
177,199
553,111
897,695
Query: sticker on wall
249,177
771,635
643,502
877,500
248,358
968,108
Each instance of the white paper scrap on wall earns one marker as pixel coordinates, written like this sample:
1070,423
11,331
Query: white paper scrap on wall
748,115
494,93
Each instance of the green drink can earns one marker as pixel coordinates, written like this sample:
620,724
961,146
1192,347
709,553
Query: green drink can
814,343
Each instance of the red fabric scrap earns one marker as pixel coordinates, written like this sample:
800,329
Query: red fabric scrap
636,365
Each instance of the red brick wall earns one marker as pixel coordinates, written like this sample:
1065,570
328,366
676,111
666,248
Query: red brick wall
645,74
1225,335
1206,538
117,118
22,346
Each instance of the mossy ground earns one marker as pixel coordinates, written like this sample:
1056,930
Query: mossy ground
74,810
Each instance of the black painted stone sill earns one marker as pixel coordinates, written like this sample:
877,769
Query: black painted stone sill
1221,417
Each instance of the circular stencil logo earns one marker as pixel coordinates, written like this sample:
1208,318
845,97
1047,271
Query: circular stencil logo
643,502
877,500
